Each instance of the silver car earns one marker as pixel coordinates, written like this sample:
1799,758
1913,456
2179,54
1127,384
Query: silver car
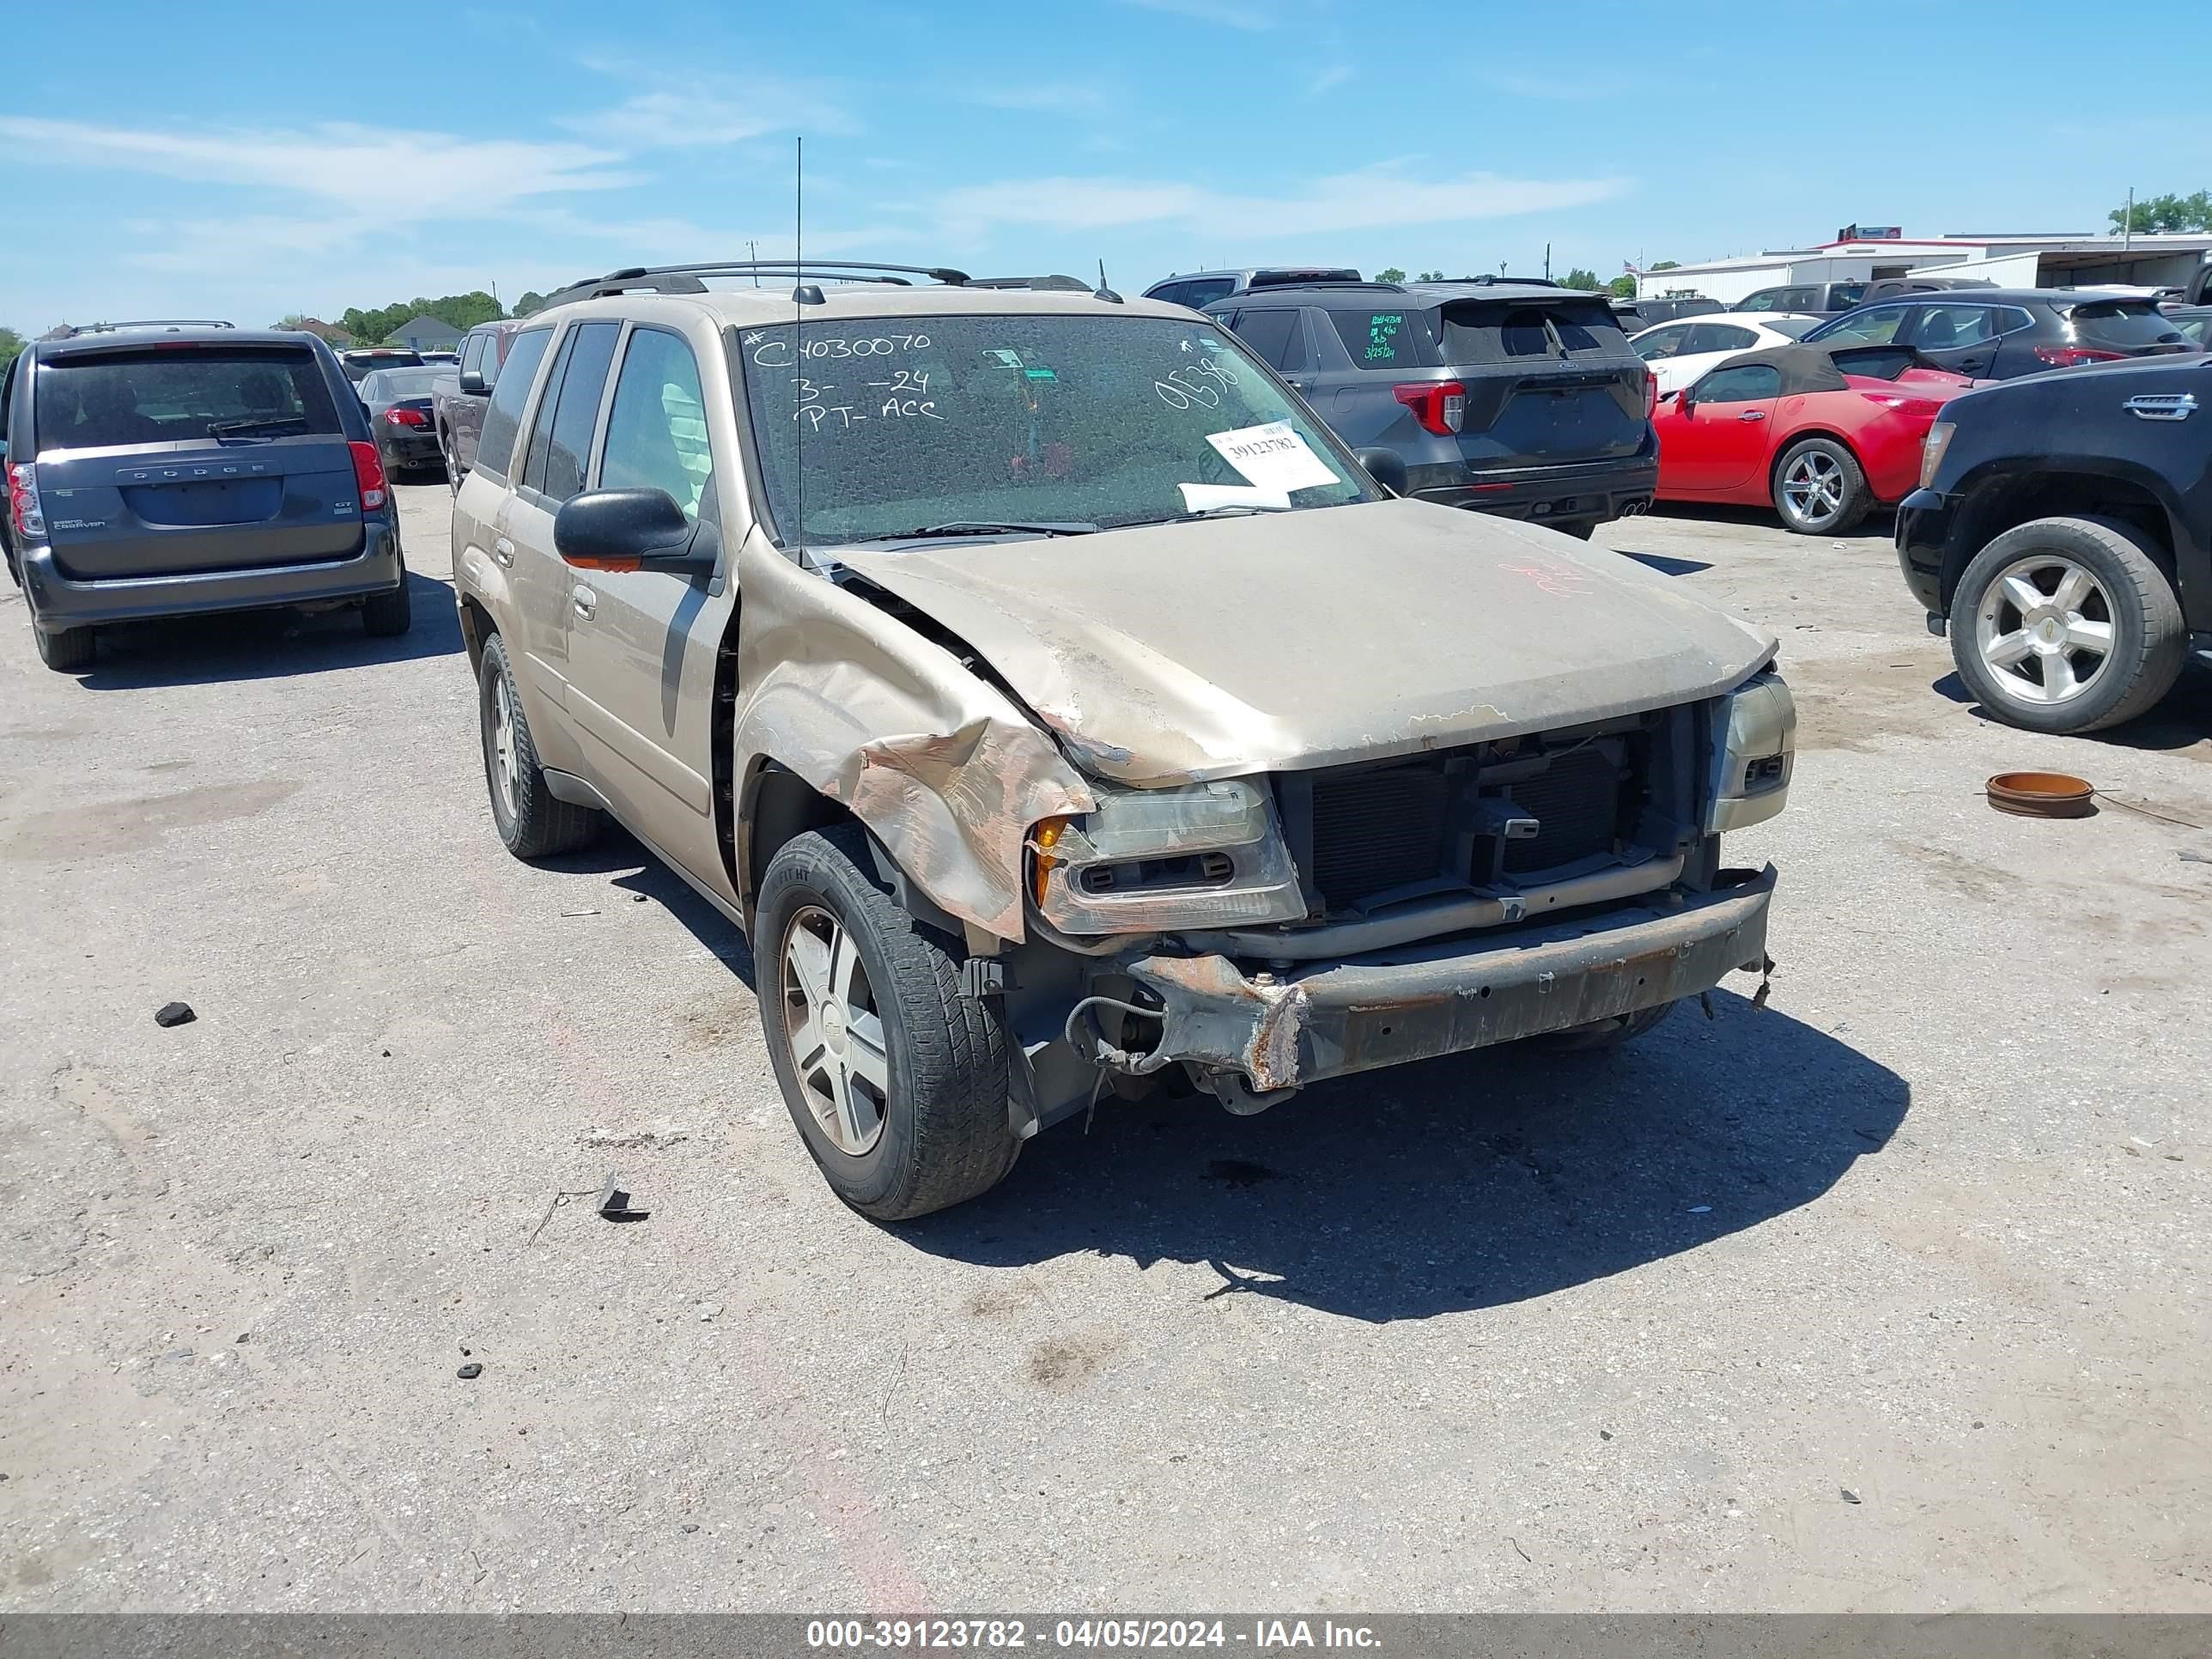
1058,708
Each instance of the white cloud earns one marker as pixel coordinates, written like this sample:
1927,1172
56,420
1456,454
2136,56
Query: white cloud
683,111
374,172
1330,78
1044,98
1372,199
1227,13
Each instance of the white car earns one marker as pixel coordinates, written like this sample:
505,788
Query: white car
1678,353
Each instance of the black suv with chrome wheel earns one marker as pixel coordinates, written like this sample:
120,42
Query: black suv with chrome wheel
2063,533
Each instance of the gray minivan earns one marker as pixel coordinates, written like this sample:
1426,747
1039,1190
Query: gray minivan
157,470
1519,400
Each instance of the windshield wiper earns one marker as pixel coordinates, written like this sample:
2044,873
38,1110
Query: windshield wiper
237,429
978,527
1225,509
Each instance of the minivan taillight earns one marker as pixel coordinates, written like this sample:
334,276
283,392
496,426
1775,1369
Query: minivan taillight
369,476
1650,394
2074,357
23,500
1438,405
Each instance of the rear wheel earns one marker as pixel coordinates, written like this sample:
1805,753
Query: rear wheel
66,650
897,1081
2066,625
530,817
1819,488
387,616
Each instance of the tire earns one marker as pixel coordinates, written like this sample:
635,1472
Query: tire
1606,1033
941,1134
1580,529
2126,593
67,651
530,817
387,616
1835,496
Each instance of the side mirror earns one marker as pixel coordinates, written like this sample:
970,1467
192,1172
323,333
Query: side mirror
633,530
1386,466
1684,401
474,384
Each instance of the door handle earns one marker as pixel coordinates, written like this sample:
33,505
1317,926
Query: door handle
1753,415
502,551
586,602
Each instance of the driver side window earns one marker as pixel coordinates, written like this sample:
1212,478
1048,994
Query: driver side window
657,428
1662,343
1752,383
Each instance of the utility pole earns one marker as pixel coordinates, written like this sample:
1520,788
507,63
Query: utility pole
1547,262
2128,224
752,252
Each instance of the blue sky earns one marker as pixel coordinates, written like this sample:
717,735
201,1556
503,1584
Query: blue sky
250,160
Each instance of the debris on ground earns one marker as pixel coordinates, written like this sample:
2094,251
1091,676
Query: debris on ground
580,913
174,1014
470,1371
631,1141
1848,1496
615,1203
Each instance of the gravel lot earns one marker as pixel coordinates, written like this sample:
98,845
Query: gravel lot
1888,1296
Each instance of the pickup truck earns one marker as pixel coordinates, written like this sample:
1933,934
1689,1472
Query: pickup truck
2062,533
458,399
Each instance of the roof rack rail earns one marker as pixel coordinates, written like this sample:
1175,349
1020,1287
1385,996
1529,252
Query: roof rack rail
1490,278
684,279
1339,283
149,322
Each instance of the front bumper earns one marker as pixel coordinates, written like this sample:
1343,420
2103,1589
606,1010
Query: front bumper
59,602
1925,519
1411,1003
1562,494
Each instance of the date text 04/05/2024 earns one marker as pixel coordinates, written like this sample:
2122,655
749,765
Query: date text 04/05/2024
1108,1635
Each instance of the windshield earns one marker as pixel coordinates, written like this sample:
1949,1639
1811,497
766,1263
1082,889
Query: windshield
912,422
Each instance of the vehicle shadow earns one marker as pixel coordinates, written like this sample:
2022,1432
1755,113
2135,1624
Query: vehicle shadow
1469,1182
260,645
2181,720
1878,524
1664,564
638,874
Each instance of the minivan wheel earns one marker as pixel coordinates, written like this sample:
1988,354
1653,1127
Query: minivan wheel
530,817
1606,1033
897,1082
67,650
387,616
2065,625
1819,489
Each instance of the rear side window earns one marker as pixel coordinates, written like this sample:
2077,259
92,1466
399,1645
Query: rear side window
1205,293
173,395
503,414
1666,341
1842,296
1762,300
591,354
2124,323
1386,339
1942,328
1720,336
1279,338
657,428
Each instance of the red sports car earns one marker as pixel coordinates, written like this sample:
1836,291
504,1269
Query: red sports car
1822,433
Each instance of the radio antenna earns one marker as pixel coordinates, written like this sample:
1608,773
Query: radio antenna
798,321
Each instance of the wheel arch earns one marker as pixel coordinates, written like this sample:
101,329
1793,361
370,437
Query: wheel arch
2005,498
1783,448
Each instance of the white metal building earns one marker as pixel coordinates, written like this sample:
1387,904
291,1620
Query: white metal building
2009,259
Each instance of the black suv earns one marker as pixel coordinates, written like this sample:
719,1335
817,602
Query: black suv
1998,333
160,470
2062,531
1520,399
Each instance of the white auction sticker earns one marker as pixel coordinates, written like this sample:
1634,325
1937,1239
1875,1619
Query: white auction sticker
1272,457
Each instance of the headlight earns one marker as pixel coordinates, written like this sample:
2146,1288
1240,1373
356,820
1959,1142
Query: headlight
1931,452
1755,750
1200,855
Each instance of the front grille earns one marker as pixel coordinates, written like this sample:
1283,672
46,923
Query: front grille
1575,801
1376,830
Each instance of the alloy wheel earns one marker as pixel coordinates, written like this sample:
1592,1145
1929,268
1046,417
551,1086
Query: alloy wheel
2044,628
1813,487
835,1031
506,762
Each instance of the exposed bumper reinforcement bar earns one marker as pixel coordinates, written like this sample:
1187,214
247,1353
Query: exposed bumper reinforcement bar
1417,1001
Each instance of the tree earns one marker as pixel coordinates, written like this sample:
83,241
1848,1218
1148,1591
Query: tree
1389,274
1432,276
1585,280
460,311
11,346
1668,264
1622,287
2165,215
532,302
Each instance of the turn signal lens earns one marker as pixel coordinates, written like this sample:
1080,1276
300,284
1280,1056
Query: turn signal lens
1440,406
369,476
1931,452
1043,839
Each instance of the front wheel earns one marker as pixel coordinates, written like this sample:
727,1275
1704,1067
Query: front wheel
1819,488
387,616
2065,625
897,1081
1607,1033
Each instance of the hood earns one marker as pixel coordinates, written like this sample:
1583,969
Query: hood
1281,640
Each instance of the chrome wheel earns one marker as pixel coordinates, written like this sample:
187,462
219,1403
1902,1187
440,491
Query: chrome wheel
835,1031
1813,487
506,764
2044,628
